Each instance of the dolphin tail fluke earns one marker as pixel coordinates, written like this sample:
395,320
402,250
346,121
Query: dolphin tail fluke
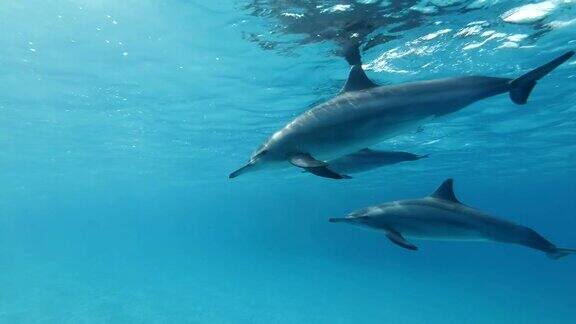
521,87
560,253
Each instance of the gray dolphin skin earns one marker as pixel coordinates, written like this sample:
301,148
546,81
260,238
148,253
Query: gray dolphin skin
364,114
367,159
441,216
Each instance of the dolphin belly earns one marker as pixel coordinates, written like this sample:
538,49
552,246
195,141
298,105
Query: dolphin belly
352,138
430,220
444,234
445,230
345,131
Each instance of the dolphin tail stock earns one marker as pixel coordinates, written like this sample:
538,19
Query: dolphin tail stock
560,253
521,87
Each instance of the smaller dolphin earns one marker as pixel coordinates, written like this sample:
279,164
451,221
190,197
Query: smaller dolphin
441,216
368,159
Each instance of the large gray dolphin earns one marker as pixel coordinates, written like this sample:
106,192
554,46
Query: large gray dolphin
441,216
364,114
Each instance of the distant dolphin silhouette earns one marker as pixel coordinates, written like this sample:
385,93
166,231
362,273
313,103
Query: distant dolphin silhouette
368,159
441,216
364,114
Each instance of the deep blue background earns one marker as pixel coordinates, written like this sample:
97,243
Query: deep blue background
120,121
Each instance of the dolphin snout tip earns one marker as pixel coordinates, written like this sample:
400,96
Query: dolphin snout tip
239,171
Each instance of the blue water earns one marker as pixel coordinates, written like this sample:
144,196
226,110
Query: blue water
120,121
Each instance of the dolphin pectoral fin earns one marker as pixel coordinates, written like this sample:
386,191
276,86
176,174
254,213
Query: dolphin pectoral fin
399,240
327,173
305,161
319,168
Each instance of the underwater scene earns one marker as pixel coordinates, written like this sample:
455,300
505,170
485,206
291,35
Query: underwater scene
287,161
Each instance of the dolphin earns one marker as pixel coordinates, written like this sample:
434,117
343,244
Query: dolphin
364,114
440,216
368,159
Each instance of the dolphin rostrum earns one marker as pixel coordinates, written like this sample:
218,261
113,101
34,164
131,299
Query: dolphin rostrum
441,216
364,114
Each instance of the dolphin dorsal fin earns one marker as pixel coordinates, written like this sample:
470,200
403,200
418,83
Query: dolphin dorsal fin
357,80
446,191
